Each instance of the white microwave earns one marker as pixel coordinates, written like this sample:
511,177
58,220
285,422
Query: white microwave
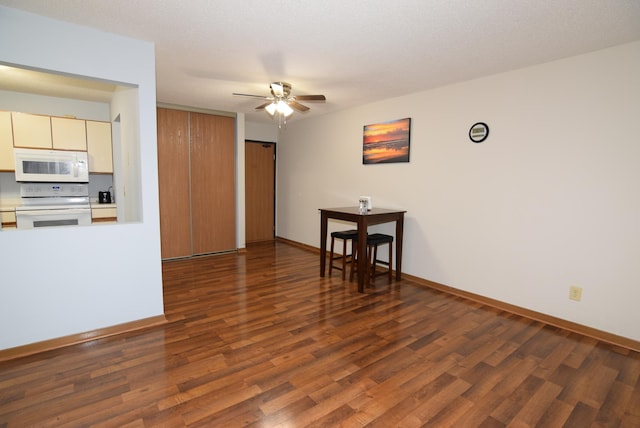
35,165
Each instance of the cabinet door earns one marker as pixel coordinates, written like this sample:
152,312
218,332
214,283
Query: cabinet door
103,215
99,147
212,183
68,134
8,218
31,130
173,183
6,142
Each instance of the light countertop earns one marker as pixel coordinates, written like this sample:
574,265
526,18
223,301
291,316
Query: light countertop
96,205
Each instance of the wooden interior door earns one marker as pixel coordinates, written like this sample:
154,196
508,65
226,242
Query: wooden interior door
259,191
173,183
213,186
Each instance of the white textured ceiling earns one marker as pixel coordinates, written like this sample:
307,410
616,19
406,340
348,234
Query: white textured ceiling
352,51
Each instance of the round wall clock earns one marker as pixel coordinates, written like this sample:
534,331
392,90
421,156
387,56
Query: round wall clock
479,132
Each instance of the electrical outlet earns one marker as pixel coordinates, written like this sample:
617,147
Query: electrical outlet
575,293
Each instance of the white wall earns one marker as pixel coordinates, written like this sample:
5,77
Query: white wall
126,157
62,281
53,106
241,236
261,131
549,200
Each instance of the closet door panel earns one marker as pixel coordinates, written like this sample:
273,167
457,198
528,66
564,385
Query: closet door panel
173,183
212,183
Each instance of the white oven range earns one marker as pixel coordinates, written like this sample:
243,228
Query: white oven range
53,204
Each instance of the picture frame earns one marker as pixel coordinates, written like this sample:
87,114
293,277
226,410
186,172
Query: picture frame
386,142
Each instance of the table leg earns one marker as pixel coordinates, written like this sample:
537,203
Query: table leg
362,253
399,232
323,242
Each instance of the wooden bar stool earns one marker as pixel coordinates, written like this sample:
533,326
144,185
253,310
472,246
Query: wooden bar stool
345,235
373,241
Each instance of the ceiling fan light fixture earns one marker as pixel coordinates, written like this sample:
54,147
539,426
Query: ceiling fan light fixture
271,108
281,104
283,108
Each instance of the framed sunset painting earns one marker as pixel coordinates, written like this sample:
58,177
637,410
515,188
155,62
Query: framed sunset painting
386,142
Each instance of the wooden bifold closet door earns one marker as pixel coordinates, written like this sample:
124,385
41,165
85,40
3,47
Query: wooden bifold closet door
173,183
213,210
196,178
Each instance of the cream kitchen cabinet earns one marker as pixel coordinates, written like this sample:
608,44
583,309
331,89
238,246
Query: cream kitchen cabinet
103,213
31,130
8,217
6,142
99,147
68,134
45,132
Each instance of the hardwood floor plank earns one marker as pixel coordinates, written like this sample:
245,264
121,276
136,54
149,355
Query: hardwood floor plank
479,414
517,399
258,339
536,406
582,415
484,378
445,390
614,405
556,415
391,400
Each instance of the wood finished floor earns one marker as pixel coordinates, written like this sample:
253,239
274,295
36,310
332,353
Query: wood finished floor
261,340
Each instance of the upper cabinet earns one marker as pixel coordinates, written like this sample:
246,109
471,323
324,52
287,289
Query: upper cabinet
59,133
99,147
68,134
6,142
31,130
44,132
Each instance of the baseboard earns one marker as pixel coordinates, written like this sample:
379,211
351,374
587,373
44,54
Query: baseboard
74,339
298,244
584,330
603,336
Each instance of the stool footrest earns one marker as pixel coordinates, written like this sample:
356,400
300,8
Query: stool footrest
345,235
373,240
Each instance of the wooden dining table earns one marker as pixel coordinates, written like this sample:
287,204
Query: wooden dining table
363,221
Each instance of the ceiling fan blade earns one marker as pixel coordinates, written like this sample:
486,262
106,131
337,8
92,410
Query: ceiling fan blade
297,105
310,97
262,106
262,97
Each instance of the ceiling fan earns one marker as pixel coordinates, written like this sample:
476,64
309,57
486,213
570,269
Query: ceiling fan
282,102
